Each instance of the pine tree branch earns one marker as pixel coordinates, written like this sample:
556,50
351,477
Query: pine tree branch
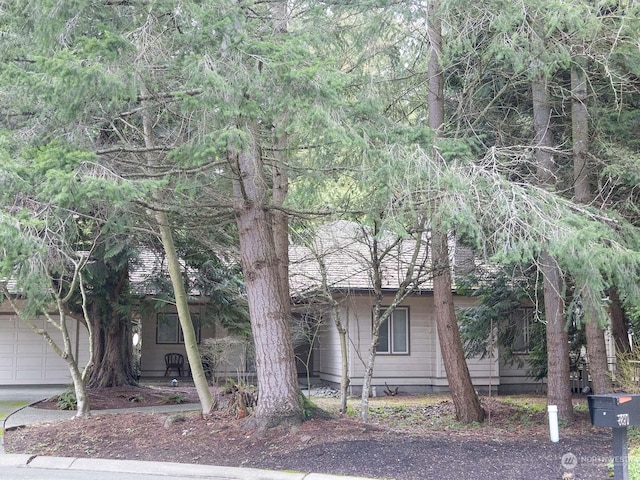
122,149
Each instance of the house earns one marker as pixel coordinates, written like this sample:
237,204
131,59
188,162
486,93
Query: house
27,359
161,333
408,354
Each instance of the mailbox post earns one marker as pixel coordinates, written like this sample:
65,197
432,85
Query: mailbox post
618,411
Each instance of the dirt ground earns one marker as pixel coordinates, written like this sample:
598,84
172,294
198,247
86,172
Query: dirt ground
407,438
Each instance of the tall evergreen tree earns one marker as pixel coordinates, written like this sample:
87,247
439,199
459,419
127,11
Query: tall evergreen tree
465,398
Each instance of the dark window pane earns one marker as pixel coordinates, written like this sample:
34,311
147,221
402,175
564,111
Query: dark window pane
383,340
167,326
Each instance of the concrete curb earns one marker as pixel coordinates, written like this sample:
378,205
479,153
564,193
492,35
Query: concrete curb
209,472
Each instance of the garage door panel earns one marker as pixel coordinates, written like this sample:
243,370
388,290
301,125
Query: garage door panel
55,363
29,337
30,349
28,376
26,358
57,376
7,351
29,362
6,376
26,327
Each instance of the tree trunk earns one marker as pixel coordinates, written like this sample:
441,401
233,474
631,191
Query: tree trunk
83,409
264,253
112,352
596,347
113,367
558,380
580,134
368,375
207,401
619,323
342,328
597,354
558,375
79,380
278,397
344,361
465,399
65,352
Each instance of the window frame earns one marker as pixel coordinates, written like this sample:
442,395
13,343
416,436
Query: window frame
178,337
522,318
390,333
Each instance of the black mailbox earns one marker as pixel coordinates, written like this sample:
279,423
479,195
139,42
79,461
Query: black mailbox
617,411
614,410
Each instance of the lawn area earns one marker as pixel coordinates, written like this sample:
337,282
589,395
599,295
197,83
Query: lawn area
634,453
6,408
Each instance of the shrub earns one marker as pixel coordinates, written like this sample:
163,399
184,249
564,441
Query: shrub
627,373
174,399
67,400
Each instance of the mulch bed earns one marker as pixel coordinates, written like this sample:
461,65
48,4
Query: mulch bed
401,442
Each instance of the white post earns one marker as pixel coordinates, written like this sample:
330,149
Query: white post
553,423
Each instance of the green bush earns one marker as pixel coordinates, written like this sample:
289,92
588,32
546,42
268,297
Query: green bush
174,399
67,400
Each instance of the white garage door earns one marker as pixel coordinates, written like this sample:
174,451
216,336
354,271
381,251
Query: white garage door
27,359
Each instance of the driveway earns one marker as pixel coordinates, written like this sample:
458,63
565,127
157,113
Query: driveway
29,393
13,401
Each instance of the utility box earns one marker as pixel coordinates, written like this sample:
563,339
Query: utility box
614,410
617,411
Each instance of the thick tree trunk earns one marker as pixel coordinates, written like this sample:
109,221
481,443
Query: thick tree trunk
597,354
596,347
264,252
580,135
278,396
558,380
558,387
112,352
465,399
619,323
113,367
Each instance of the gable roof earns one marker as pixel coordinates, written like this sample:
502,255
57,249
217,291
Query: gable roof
149,274
345,250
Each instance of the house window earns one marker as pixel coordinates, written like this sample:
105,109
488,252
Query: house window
168,328
520,322
394,333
